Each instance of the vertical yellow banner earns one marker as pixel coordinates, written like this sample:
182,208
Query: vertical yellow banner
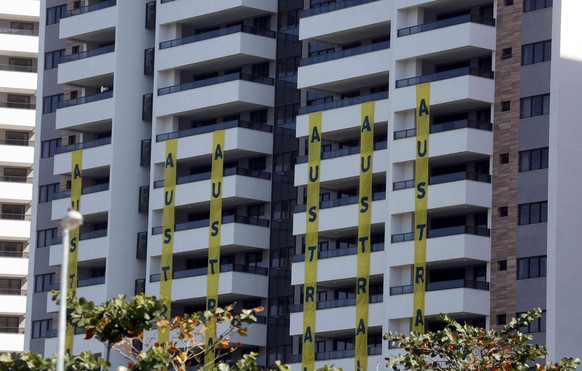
364,235
420,209
170,170
214,237
311,242
76,189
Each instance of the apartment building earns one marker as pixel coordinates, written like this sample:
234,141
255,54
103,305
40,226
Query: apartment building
18,64
353,166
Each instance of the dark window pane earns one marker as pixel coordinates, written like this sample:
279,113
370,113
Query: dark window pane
526,107
523,214
534,267
522,269
545,158
546,103
524,161
537,105
543,266
534,213
544,212
527,54
538,52
548,50
536,159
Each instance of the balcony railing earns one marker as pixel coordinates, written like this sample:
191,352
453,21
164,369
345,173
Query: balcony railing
86,190
442,232
14,254
345,53
216,33
213,127
204,223
11,330
339,303
457,72
13,216
83,236
17,142
13,292
334,253
15,179
329,6
89,8
445,178
227,172
87,54
216,80
85,145
13,68
86,99
197,272
373,350
17,105
91,281
442,285
446,126
16,31
348,151
343,103
473,18
376,196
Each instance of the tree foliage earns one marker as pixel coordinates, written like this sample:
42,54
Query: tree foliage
465,347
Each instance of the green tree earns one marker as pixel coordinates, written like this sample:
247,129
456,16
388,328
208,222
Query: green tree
465,347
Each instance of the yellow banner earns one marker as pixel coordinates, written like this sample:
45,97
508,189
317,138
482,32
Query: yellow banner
364,235
311,242
170,170
420,209
214,237
76,188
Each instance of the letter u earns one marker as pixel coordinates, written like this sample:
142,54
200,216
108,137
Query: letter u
418,149
314,178
365,168
169,202
215,192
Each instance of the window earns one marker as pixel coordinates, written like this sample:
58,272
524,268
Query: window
536,53
11,249
501,319
44,237
54,14
502,211
40,329
44,282
505,53
20,64
10,324
502,265
49,147
532,267
530,5
254,259
535,212
537,325
22,26
13,212
537,105
505,106
47,192
18,101
534,159
508,2
50,103
504,158
51,59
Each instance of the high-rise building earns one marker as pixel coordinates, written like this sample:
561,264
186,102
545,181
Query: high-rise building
18,63
353,166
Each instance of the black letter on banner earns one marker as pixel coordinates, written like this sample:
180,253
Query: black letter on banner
365,205
419,276
164,310
421,227
210,342
73,244
212,262
312,250
309,293
315,135
308,335
366,124
421,192
169,161
313,214
418,320
168,202
165,271
313,178
422,108
216,193
361,327
365,168
167,236
211,304
214,228
71,278
75,205
362,282
423,152
77,172
217,152
363,241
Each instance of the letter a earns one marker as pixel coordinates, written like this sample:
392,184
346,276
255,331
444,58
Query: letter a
422,108
76,172
170,160
217,152
366,124
315,135
361,327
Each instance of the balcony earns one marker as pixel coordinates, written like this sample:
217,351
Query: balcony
11,340
347,69
17,79
442,232
15,189
344,118
212,12
93,157
457,72
335,253
220,49
241,139
93,289
81,67
344,21
338,202
225,220
17,116
95,200
21,43
82,22
14,152
342,358
442,285
27,9
447,126
12,302
73,113
85,145
91,247
15,226
343,103
220,95
15,265
342,164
